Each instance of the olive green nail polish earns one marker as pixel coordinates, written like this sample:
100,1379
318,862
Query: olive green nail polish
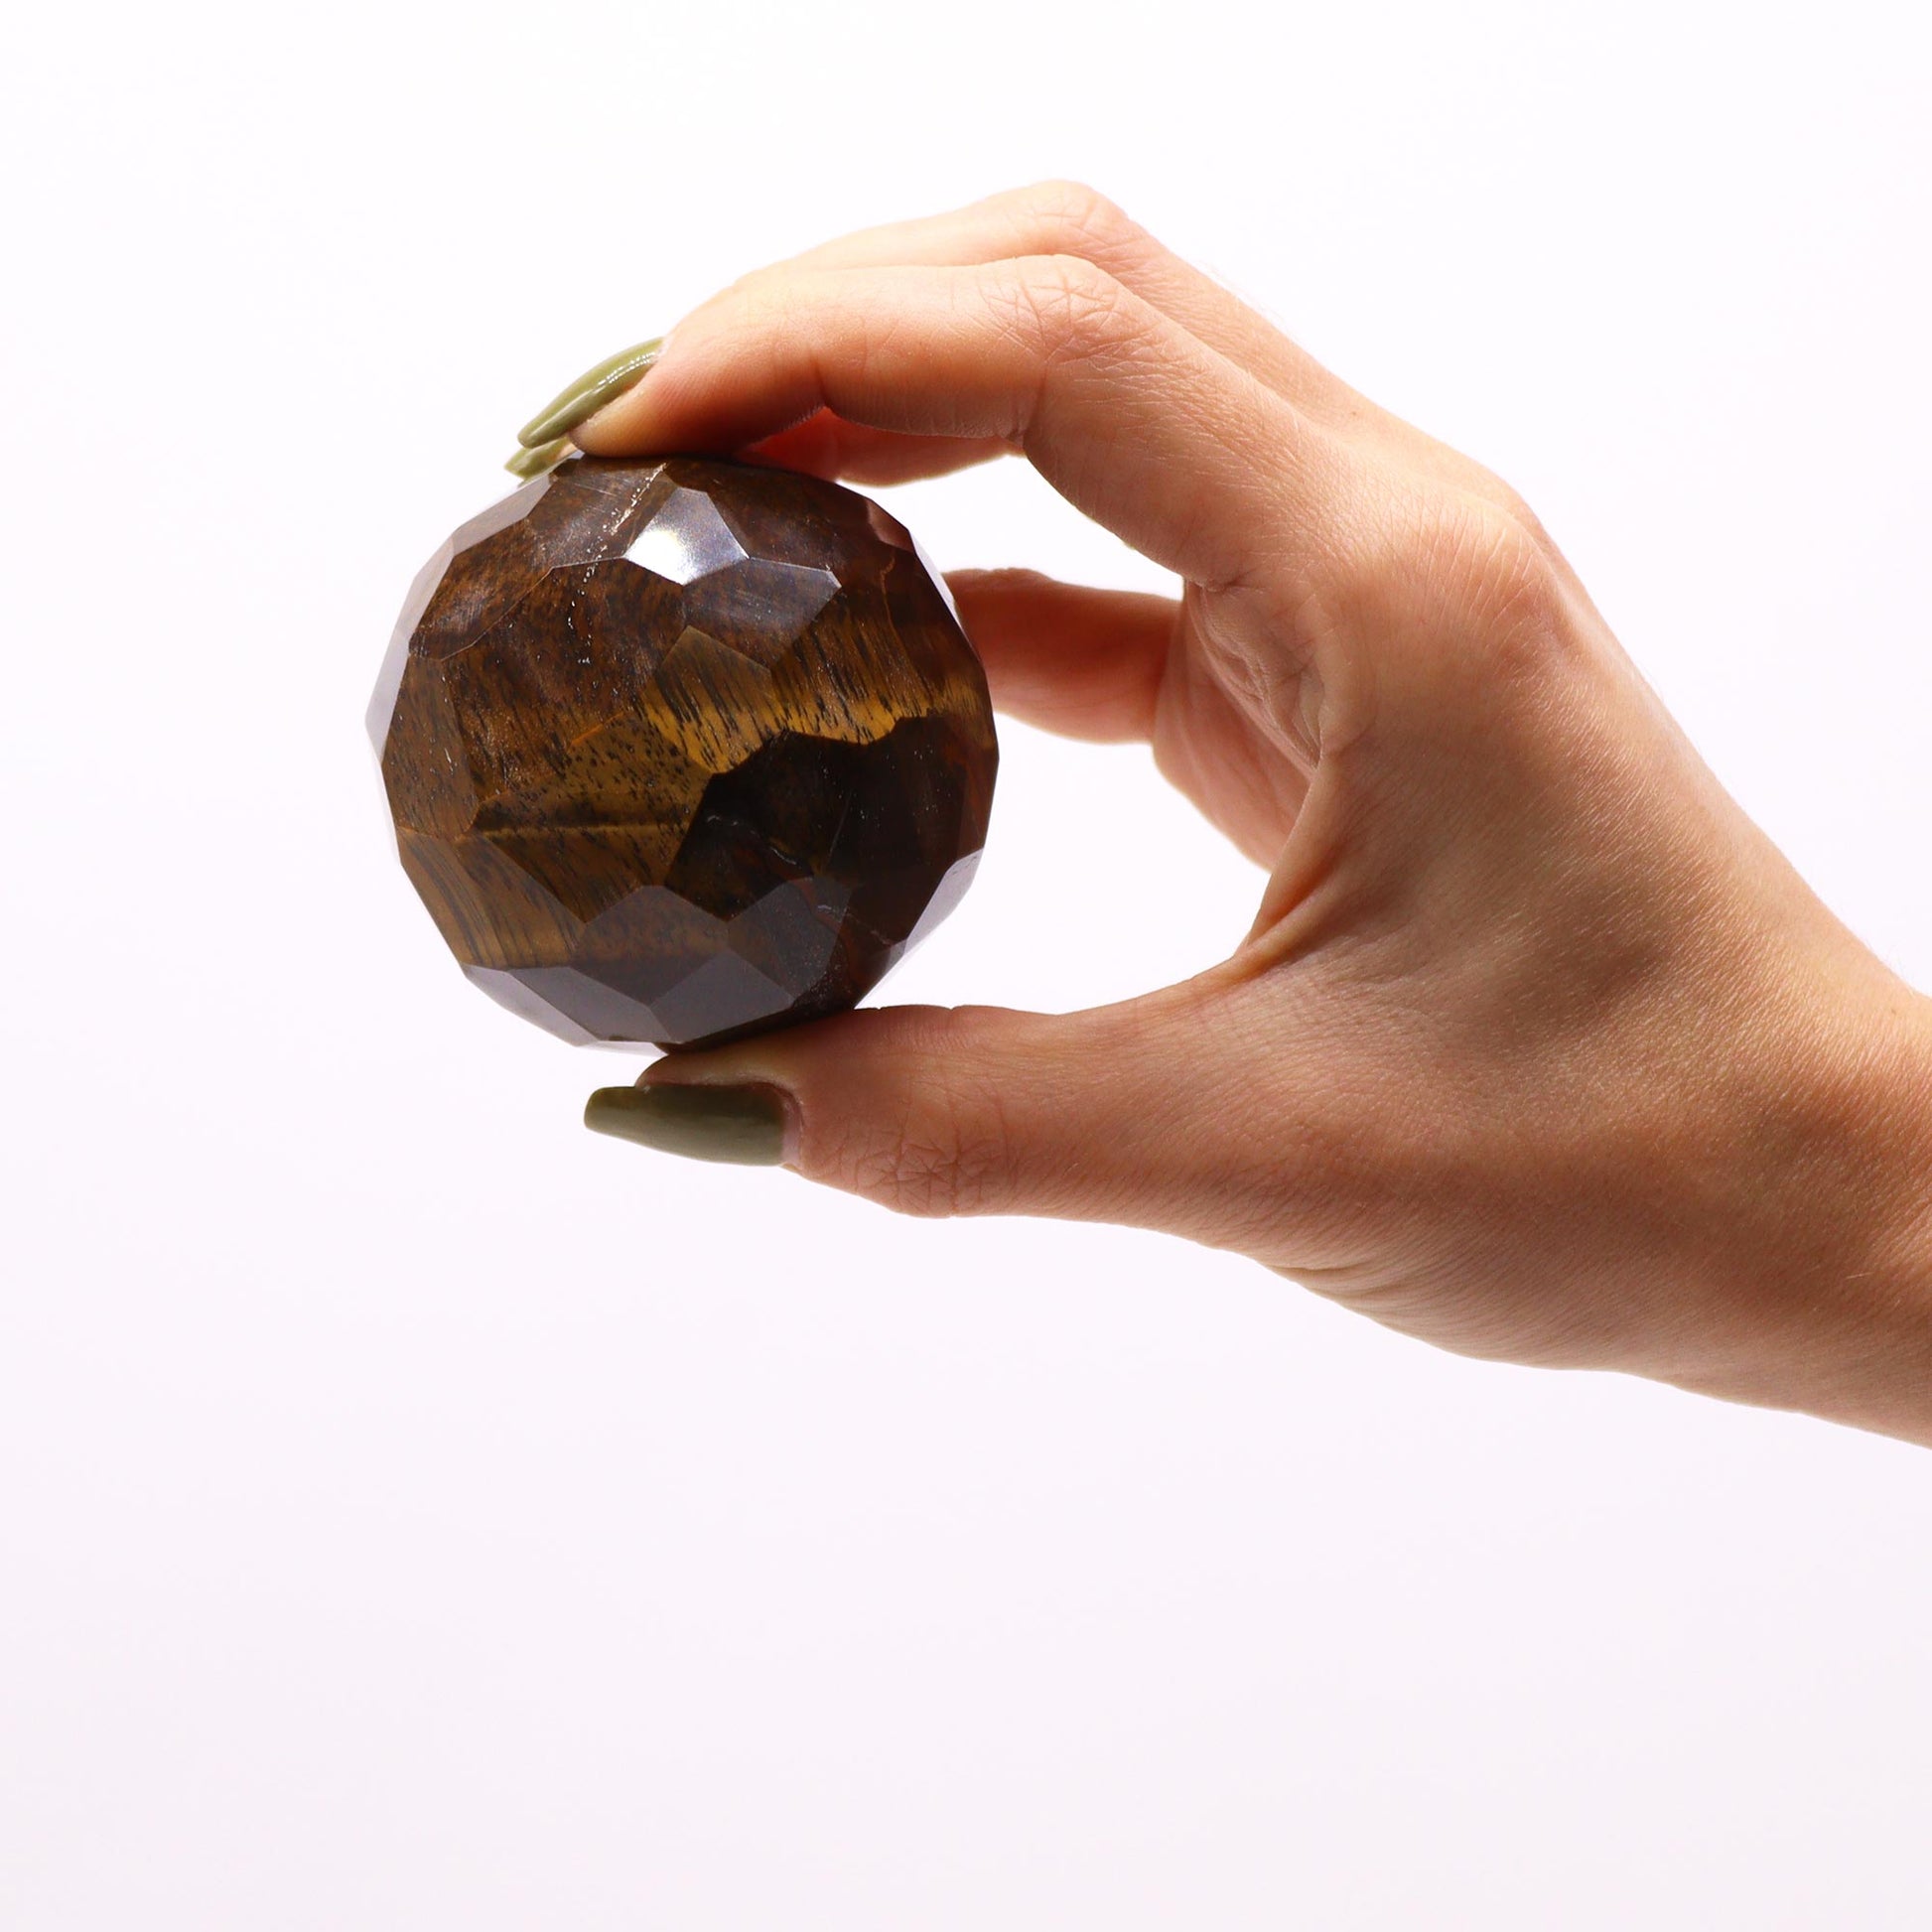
533,462
742,1124
590,392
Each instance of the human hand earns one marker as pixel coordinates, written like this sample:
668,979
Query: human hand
1537,1049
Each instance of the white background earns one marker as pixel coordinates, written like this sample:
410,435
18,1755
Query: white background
415,1512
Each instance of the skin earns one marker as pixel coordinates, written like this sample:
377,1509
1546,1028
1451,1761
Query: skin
1536,1049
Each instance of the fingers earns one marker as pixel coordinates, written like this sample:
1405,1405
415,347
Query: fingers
1107,667
1111,667
1063,217
1066,219
1086,663
1054,218
1135,1113
824,445
1139,424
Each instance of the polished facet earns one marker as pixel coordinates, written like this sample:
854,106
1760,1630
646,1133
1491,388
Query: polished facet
681,750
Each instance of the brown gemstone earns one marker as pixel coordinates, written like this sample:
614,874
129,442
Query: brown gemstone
681,750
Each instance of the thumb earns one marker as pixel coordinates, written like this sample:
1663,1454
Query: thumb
1121,1113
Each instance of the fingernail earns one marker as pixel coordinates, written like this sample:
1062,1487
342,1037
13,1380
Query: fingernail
743,1124
590,392
533,462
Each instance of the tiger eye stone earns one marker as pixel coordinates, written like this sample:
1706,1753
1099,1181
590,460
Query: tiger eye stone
681,750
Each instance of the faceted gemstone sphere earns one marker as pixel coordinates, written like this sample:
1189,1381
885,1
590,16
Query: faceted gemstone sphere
679,751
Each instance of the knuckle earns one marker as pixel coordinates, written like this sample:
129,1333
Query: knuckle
946,1153
1501,568
762,303
754,284
1064,307
1515,506
1077,219
935,1177
1462,568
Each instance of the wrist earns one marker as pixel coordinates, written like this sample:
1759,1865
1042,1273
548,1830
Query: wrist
1887,1379
1835,1271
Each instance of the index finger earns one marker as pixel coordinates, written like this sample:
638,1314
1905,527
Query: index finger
1135,421
1065,218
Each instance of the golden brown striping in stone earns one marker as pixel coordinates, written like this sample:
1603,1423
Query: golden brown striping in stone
679,751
